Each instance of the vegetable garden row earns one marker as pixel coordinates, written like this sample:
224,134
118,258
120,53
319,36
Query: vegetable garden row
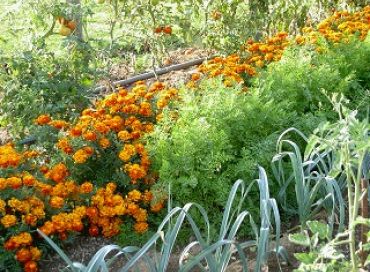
114,169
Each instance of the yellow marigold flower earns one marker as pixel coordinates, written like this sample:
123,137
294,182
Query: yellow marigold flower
2,205
134,195
127,152
124,135
80,156
36,253
104,143
14,182
3,183
8,220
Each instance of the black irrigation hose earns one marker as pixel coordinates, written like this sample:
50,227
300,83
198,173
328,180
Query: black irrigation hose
148,75
121,83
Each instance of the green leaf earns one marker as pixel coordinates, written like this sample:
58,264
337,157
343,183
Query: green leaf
320,228
306,258
301,239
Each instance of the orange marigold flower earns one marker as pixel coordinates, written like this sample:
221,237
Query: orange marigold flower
141,227
43,119
89,136
47,228
135,171
88,149
157,207
63,144
94,230
8,220
44,169
28,180
56,202
58,173
58,124
31,266
30,219
141,215
92,212
86,187
23,255
75,131
147,196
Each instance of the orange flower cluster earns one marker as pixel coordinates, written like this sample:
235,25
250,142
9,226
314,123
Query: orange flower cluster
233,67
9,157
118,121
64,222
339,27
343,25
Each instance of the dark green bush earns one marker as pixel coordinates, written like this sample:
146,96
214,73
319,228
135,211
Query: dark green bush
43,82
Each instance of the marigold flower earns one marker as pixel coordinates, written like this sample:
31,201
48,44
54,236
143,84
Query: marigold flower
58,173
2,205
127,152
28,180
124,135
86,187
36,253
43,119
3,183
89,150
80,156
23,255
89,136
58,124
14,182
63,144
30,219
157,207
31,266
141,227
134,195
56,202
94,230
104,143
8,220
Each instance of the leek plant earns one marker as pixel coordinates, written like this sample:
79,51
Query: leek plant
314,189
213,254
